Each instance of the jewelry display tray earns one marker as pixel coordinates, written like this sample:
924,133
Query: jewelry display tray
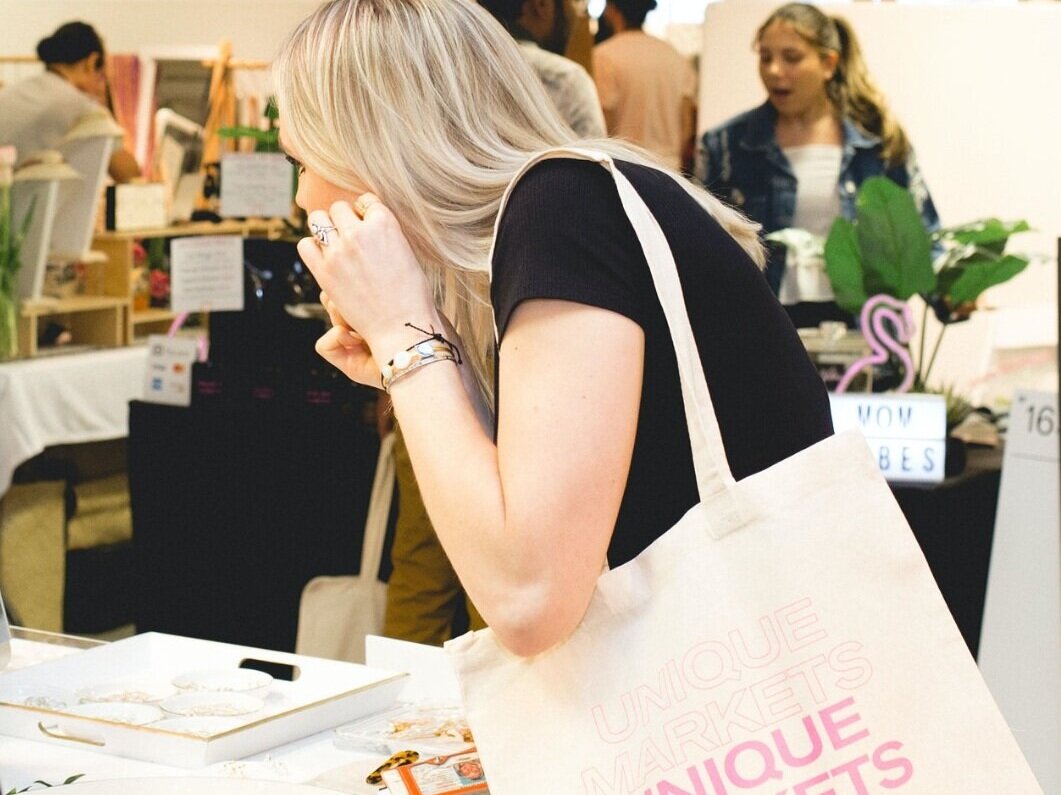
322,694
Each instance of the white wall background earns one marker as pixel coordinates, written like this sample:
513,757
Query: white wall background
256,27
974,88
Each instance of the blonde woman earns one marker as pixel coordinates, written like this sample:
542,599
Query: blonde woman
799,159
408,120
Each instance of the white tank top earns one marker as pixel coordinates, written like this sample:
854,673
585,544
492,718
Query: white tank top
817,170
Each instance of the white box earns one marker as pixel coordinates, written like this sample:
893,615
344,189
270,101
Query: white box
326,693
136,206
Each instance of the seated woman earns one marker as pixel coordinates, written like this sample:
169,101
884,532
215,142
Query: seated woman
408,120
798,159
35,113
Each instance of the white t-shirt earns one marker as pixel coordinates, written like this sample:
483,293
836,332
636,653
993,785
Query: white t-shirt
35,113
570,88
817,170
642,82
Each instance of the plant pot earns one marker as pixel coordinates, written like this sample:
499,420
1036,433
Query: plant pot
956,457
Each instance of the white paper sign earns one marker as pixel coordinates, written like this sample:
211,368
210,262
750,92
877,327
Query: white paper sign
168,377
255,185
207,273
1020,641
908,433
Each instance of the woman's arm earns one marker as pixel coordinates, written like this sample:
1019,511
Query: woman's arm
526,522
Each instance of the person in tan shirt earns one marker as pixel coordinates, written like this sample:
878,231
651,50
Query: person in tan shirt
647,89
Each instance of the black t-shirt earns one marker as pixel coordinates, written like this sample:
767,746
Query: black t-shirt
564,235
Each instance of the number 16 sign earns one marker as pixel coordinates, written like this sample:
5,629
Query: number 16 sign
1020,642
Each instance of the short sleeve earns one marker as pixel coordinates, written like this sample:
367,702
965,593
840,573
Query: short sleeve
565,236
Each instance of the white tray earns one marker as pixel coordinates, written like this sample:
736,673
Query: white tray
324,694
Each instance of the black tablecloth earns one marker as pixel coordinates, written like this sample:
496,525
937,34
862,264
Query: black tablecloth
954,523
236,508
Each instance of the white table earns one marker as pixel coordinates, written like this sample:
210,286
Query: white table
314,760
69,399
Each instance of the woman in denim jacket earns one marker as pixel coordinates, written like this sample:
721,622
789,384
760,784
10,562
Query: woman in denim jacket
798,159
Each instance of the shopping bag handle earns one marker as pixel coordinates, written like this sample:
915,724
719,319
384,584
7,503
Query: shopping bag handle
379,508
715,483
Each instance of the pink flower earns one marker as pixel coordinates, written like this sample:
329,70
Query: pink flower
159,284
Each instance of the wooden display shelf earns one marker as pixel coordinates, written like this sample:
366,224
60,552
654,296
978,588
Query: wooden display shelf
145,322
117,248
96,320
153,315
250,226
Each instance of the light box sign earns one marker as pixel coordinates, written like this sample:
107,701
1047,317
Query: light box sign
908,433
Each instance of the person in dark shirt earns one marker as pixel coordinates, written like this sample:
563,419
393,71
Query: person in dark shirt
572,452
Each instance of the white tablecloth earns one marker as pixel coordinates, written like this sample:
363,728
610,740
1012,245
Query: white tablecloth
80,397
315,760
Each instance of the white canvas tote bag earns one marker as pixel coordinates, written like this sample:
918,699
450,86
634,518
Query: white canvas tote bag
784,638
335,613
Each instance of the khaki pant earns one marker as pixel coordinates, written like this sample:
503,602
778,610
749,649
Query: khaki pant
424,595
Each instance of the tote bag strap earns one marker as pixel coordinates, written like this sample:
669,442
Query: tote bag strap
379,509
714,480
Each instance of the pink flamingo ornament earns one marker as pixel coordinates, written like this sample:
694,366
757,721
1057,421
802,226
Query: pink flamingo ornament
874,311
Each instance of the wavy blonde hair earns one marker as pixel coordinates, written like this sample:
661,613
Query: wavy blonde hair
430,105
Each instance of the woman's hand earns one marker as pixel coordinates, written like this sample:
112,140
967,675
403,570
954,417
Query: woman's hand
373,285
346,350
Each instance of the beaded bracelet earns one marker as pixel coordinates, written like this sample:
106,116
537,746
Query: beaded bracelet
416,356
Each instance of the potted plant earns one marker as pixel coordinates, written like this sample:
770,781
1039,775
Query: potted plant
267,140
886,250
11,237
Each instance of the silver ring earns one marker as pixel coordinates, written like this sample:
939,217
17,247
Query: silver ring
321,232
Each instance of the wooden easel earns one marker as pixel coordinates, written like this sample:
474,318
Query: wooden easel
222,101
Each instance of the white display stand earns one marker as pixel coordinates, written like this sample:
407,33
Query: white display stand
1020,643
42,196
79,201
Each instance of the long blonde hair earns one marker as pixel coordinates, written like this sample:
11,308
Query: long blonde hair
430,105
851,89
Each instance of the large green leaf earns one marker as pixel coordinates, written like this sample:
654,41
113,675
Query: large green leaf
987,233
974,276
896,250
844,266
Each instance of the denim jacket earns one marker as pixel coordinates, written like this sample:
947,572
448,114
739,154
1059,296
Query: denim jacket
742,164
